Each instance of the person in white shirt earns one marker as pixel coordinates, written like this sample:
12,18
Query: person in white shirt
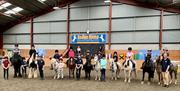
130,55
79,49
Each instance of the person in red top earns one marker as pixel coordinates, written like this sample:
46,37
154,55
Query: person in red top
5,65
71,53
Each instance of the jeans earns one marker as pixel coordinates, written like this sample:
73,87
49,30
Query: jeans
41,72
103,74
6,75
78,73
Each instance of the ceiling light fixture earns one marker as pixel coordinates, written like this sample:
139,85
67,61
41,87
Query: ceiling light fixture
107,1
6,4
17,9
10,12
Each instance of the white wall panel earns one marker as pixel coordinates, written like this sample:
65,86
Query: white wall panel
23,38
122,37
145,37
20,28
78,26
58,38
128,10
58,27
42,38
60,14
171,36
123,24
99,12
9,39
172,22
41,27
147,23
79,13
99,25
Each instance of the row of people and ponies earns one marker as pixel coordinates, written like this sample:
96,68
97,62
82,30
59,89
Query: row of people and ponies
162,65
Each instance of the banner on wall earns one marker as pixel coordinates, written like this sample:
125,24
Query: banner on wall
88,38
142,54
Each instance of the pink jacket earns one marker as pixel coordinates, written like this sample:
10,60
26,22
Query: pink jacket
71,53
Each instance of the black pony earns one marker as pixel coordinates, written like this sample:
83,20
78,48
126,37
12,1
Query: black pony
149,67
88,67
16,61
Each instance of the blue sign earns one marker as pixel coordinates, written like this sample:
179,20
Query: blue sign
88,38
142,54
40,52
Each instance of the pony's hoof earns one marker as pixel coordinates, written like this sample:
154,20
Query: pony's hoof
142,82
170,82
129,81
115,78
125,80
175,83
159,83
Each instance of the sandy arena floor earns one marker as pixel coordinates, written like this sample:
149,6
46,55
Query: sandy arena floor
49,84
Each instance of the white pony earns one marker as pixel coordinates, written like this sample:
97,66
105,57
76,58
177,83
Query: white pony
113,69
32,68
128,67
97,67
55,67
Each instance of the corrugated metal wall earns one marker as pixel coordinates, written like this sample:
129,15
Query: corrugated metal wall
131,26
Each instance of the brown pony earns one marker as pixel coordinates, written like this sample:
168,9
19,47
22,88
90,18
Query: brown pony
158,69
173,69
71,65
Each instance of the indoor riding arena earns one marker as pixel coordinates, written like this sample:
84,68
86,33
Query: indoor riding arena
89,45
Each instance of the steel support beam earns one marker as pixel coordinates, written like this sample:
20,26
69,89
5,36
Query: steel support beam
68,25
161,29
110,26
31,32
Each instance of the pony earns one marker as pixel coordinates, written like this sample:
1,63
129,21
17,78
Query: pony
88,67
71,65
173,69
32,67
113,69
97,68
16,61
54,66
158,70
148,66
127,67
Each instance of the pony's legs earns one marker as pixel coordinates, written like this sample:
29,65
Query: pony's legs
96,75
149,77
129,76
73,72
159,77
69,73
35,73
89,75
112,75
175,74
125,80
117,73
30,73
142,82
99,75
171,76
